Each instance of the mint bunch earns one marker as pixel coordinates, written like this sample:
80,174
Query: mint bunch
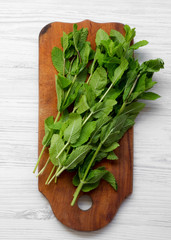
103,89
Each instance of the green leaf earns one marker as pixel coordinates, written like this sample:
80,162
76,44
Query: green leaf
112,156
101,35
149,96
89,187
84,53
82,37
110,131
72,132
56,125
60,94
75,36
128,124
108,177
120,71
153,65
110,47
75,67
99,124
114,93
99,57
101,109
57,59
139,88
149,83
86,132
130,33
82,76
63,81
95,175
98,80
131,77
112,147
82,105
65,41
76,180
56,146
100,156
133,108
90,95
72,96
139,44
117,36
48,131
76,157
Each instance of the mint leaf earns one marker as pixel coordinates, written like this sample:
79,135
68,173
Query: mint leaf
101,35
88,187
108,177
99,124
56,146
57,59
76,157
130,33
65,42
60,94
86,132
153,65
117,36
63,81
112,156
98,80
82,105
95,175
119,71
139,44
48,131
112,147
72,132
149,96
101,109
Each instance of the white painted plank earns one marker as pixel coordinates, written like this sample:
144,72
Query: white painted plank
24,212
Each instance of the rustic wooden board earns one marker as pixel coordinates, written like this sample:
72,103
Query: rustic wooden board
105,200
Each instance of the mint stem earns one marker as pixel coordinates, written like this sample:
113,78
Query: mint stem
41,153
50,175
42,170
78,189
55,175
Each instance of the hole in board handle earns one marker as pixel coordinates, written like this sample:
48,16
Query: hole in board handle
85,202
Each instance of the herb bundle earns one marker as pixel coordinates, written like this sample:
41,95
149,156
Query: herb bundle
98,96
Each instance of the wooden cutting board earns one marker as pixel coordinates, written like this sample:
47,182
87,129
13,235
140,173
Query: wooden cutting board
105,200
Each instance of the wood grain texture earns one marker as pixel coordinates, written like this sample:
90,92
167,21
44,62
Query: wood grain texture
24,212
105,200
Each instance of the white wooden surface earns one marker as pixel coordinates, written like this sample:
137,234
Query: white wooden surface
24,212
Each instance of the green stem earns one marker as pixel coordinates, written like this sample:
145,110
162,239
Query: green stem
87,118
55,175
99,101
64,67
106,92
122,108
59,172
66,145
69,90
77,191
50,175
41,153
88,80
57,117
42,170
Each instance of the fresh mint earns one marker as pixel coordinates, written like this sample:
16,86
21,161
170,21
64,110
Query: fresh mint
98,96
